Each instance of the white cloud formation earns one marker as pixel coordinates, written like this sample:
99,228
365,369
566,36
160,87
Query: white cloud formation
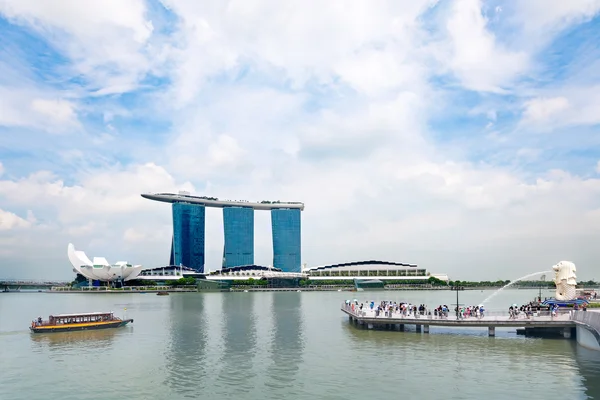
9,221
327,103
115,191
545,16
214,37
477,59
104,39
25,108
575,106
544,109
57,110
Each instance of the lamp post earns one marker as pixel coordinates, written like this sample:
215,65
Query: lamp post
457,288
543,279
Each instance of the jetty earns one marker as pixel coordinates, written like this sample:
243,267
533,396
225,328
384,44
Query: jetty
539,322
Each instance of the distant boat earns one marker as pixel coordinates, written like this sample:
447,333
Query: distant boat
162,293
78,322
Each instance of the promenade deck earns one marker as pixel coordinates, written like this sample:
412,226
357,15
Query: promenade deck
491,320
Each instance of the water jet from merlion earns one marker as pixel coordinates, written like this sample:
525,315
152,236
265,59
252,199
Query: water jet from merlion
564,279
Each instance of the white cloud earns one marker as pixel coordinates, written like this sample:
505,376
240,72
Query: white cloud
477,60
60,111
543,109
105,39
543,16
9,221
213,38
327,103
115,192
25,108
133,235
575,106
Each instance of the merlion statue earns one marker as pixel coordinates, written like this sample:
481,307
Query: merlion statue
564,278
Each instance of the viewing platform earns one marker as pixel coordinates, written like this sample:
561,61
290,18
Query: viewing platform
541,321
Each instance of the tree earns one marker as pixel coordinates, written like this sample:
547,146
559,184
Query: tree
184,282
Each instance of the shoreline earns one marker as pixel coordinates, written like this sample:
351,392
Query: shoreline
242,289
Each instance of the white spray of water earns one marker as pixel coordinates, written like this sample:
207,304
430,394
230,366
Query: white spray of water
512,283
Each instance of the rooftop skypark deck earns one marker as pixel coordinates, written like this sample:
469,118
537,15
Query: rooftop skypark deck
215,202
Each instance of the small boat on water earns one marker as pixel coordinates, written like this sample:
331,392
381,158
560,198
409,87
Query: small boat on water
78,322
162,293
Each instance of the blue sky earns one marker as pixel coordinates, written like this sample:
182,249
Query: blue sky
462,136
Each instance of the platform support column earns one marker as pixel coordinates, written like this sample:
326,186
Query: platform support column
425,328
401,327
418,328
491,331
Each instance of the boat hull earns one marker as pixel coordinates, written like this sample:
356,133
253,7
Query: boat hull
80,327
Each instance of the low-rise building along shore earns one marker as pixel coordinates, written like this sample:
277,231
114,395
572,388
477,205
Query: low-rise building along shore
372,269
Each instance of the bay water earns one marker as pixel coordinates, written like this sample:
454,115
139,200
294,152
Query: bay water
278,345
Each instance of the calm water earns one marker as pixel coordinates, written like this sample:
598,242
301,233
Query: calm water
277,346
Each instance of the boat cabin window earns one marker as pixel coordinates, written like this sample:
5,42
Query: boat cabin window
78,319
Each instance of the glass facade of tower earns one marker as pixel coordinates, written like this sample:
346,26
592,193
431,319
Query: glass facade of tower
238,224
188,235
285,224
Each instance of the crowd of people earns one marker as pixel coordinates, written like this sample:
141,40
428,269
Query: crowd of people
536,308
403,309
397,309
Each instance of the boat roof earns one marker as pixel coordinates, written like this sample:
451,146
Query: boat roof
81,314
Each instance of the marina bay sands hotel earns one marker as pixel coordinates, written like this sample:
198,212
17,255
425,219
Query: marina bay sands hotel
187,245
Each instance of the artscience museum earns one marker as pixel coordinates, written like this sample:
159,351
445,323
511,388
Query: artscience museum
100,269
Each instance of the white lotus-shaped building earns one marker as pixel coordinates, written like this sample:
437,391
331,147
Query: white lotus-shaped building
100,269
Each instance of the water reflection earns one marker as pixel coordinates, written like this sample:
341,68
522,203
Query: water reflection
508,365
239,339
287,341
78,340
186,352
589,369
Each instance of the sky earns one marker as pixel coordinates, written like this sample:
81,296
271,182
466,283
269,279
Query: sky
462,136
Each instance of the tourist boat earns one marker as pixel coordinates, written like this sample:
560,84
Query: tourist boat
78,322
162,293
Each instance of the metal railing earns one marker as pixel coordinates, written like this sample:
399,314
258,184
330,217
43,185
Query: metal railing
488,315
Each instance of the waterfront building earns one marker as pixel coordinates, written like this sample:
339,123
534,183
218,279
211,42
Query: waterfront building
358,270
371,269
100,269
275,277
168,274
245,272
188,245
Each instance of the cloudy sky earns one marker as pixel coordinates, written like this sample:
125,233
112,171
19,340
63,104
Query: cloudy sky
463,136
